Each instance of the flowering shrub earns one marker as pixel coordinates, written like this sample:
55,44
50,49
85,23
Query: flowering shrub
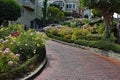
68,32
27,44
8,59
6,31
17,46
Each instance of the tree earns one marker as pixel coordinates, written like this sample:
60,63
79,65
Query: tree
96,13
44,12
106,9
9,10
54,14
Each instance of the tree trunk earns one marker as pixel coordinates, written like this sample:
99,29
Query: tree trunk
108,25
44,13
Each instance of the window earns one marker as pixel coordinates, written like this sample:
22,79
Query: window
71,5
26,0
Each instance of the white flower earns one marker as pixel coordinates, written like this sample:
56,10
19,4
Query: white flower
26,44
10,63
38,45
17,55
6,51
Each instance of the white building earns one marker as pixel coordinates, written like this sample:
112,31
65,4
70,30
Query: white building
66,5
31,10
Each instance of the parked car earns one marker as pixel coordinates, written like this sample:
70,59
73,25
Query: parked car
52,25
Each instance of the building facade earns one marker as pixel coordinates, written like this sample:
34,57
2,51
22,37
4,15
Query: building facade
66,5
31,12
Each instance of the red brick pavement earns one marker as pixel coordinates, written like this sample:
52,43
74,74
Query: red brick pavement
70,63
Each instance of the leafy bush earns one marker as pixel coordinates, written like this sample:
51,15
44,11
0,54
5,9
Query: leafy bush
64,31
102,44
112,37
17,47
67,14
8,60
28,43
6,31
90,37
68,23
24,68
98,43
9,10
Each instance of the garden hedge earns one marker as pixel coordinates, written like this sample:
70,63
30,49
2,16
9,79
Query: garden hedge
100,44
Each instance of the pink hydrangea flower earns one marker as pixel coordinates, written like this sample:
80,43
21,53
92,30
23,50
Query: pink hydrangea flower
6,51
10,63
17,55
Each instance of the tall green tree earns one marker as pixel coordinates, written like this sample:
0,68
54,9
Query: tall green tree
106,9
44,12
96,13
9,10
54,14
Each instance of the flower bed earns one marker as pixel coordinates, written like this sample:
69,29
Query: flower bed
86,40
20,51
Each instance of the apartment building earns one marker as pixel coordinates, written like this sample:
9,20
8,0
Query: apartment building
31,13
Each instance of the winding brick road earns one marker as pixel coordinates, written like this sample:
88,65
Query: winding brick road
70,63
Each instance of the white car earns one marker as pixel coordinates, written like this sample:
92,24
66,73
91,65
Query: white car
52,25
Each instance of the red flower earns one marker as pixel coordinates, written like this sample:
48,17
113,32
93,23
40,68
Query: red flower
15,34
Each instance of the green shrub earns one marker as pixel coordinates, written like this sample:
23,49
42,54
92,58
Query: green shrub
90,38
76,33
6,31
27,44
68,23
22,69
8,60
65,31
112,37
98,43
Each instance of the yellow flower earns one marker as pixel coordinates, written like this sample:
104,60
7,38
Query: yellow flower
34,51
31,34
26,44
38,45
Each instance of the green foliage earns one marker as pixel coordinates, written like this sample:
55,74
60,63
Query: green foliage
101,44
112,37
9,10
96,13
68,32
28,43
54,14
96,21
100,28
67,14
17,47
86,21
68,23
4,60
24,68
6,31
107,9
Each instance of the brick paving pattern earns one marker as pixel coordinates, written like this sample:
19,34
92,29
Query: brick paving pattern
70,63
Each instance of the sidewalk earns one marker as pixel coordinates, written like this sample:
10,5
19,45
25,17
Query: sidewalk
70,63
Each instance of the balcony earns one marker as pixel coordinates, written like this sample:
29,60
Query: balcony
30,4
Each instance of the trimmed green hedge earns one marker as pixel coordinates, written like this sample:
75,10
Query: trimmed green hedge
95,38
101,44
